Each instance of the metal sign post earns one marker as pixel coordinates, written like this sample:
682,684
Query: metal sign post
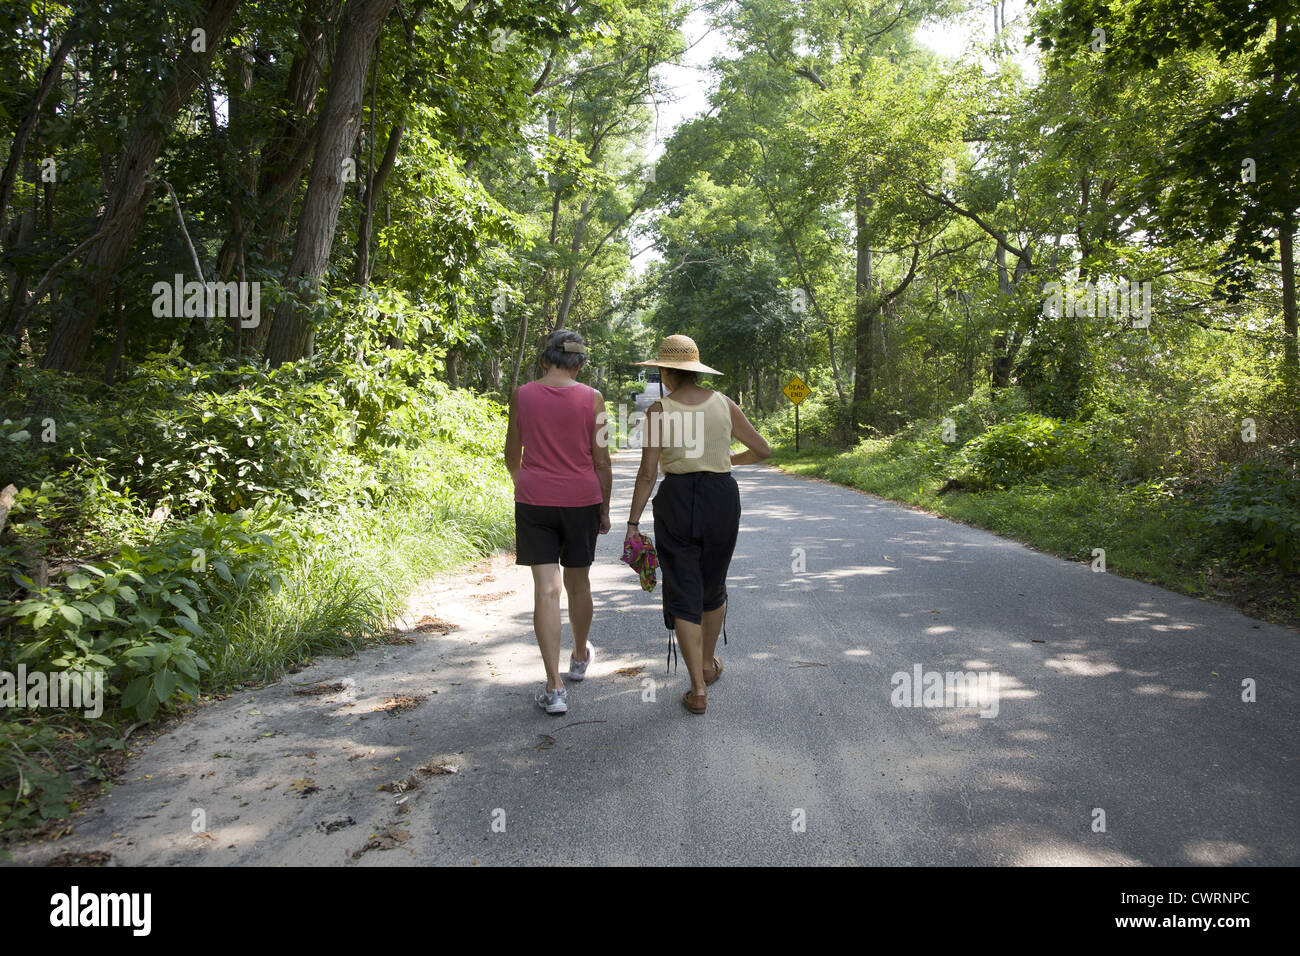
796,391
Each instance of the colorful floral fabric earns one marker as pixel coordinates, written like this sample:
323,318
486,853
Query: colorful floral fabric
639,554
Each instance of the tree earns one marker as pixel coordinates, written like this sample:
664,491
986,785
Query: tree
1234,170
106,250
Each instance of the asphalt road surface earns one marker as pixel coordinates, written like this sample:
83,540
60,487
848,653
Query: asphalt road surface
1118,733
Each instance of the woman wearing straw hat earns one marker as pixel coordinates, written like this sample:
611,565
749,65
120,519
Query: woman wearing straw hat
559,459
697,509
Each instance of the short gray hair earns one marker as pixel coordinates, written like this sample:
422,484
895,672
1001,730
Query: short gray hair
555,353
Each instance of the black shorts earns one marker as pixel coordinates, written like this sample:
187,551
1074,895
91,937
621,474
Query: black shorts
546,534
697,521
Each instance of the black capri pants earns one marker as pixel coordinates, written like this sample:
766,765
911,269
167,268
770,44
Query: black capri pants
697,520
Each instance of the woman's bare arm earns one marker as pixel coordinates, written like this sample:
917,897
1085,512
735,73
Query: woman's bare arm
600,457
514,443
747,435
648,473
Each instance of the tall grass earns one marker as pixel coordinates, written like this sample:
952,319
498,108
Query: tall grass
351,577
322,495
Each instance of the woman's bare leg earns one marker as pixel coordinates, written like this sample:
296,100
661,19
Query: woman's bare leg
577,585
712,627
690,638
546,619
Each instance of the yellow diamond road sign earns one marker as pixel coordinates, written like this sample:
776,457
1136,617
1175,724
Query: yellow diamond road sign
796,390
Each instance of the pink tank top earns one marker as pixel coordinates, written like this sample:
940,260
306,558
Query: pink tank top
556,423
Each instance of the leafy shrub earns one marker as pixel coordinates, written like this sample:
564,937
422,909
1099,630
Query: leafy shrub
1026,446
196,526
135,617
33,751
1257,504
985,408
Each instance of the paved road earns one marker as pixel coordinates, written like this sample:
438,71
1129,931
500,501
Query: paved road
1113,696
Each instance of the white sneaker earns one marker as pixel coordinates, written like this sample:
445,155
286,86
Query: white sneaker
552,701
578,669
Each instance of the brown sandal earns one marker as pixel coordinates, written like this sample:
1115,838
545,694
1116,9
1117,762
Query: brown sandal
695,703
717,672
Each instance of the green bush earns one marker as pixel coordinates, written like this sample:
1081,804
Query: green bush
33,753
1028,445
135,617
199,526
1257,505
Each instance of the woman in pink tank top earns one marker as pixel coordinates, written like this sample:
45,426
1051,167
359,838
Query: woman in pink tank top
559,458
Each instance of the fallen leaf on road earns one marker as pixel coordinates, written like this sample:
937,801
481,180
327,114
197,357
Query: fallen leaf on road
437,769
389,838
399,703
629,671
434,624
317,689
304,785
400,786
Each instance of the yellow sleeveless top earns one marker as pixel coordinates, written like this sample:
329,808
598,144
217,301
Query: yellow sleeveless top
695,437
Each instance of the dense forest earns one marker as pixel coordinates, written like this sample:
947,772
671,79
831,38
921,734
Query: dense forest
268,276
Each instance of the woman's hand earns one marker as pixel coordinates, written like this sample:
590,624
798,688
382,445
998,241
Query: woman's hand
604,522
630,534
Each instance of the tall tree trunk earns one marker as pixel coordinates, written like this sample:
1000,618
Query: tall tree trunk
123,211
23,234
340,122
453,367
571,276
519,352
1290,355
1003,359
864,313
31,113
275,172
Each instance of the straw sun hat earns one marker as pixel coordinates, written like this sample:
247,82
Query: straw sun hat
680,352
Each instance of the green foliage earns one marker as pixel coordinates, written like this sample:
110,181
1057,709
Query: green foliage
1257,503
33,784
823,418
205,525
136,617
1026,446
